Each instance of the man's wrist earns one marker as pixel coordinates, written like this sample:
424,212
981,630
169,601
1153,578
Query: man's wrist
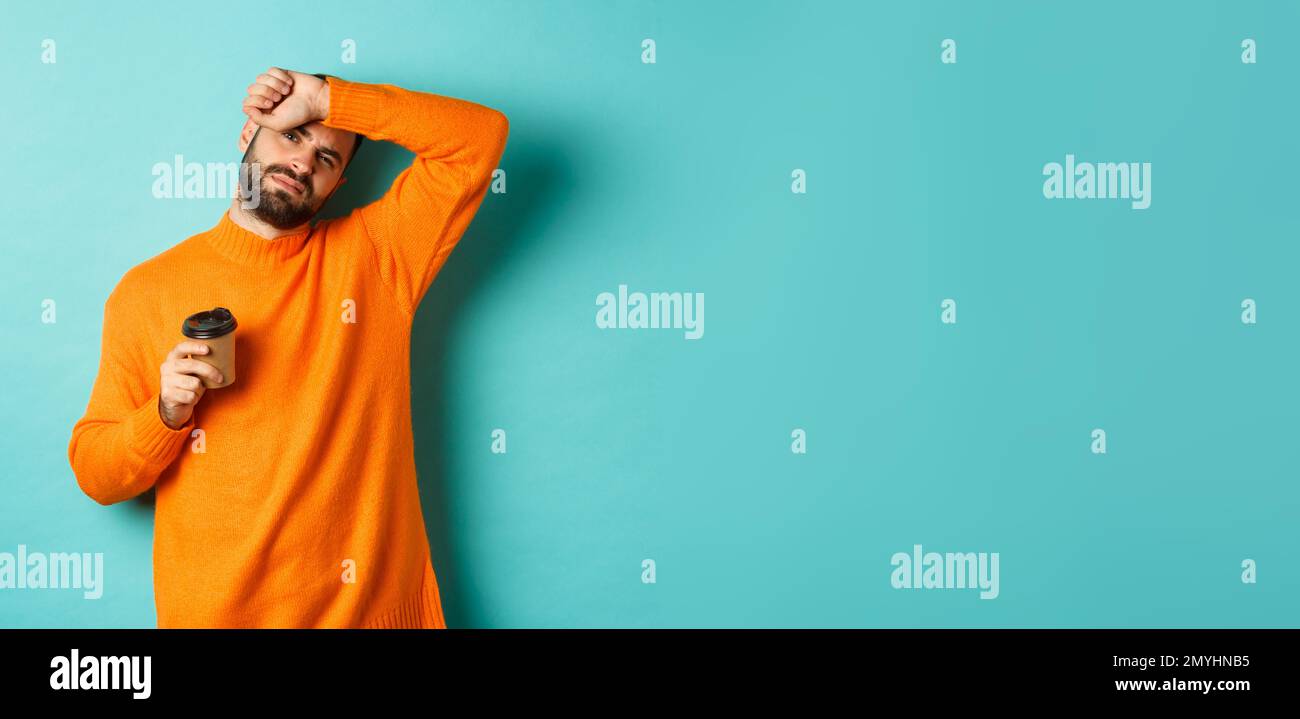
163,415
322,100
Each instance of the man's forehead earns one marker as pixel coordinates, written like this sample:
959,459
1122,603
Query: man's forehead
329,136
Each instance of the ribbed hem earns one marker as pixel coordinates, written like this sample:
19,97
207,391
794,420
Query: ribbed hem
153,440
250,248
423,610
356,106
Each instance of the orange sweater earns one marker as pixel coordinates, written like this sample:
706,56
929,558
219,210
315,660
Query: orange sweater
307,465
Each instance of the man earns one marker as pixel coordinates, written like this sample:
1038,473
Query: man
289,499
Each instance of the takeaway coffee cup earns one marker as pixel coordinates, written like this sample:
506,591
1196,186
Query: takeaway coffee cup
216,329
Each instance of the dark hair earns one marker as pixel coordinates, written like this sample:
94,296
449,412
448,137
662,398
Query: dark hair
356,145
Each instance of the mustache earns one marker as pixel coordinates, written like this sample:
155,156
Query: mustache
302,180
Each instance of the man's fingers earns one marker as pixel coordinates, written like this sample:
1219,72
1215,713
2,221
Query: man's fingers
255,114
186,381
187,348
198,369
280,74
266,91
259,101
278,79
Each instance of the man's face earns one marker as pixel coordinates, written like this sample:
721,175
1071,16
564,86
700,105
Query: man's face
300,168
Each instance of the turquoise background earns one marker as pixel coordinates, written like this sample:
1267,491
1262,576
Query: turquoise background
924,182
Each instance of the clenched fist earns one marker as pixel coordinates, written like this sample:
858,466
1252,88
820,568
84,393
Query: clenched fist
283,99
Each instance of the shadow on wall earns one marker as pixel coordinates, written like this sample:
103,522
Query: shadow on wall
493,240
487,245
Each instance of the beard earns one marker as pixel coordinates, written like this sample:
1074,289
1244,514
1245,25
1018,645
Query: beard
277,206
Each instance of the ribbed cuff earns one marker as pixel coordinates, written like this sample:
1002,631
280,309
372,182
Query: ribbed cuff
152,439
355,106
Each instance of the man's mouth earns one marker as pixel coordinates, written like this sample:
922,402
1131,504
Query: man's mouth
287,182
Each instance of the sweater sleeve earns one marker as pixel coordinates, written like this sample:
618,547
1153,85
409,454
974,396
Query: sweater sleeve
121,445
420,218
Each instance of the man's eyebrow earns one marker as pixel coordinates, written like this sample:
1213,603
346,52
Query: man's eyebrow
323,148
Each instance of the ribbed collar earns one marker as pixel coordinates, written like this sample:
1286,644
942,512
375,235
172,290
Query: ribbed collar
250,248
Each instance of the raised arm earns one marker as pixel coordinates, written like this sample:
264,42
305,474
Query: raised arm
418,221
457,144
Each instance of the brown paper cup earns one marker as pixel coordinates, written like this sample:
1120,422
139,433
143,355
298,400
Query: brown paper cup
216,329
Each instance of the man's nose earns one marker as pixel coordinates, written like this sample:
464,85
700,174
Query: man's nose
303,162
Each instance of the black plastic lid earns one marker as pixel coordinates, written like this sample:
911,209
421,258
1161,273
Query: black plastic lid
209,324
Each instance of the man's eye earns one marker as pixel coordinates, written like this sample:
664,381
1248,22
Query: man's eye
327,159
290,136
